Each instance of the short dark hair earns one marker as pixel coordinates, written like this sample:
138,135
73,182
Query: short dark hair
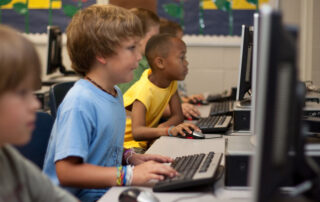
158,45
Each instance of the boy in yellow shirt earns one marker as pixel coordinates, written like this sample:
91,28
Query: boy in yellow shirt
147,99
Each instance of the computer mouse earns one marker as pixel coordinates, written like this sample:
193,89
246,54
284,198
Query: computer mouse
194,135
137,195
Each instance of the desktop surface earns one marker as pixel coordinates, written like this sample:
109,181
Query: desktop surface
174,147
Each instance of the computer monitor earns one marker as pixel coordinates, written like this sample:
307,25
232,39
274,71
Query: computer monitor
54,52
255,72
279,110
244,81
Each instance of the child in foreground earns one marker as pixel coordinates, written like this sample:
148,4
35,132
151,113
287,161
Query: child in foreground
85,152
147,99
20,180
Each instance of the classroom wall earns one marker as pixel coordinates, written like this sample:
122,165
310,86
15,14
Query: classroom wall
213,61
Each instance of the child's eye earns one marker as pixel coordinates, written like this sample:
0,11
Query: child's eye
132,47
23,92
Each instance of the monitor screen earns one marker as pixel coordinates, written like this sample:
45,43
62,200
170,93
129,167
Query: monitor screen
54,52
54,58
244,81
279,108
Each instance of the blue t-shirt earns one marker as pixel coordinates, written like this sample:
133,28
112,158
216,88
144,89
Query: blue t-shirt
90,124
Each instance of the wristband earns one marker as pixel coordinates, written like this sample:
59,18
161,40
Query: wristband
169,131
129,175
119,176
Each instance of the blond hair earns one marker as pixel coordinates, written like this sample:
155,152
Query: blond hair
18,59
169,27
97,31
147,17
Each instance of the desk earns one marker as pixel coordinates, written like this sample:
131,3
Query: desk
173,147
168,146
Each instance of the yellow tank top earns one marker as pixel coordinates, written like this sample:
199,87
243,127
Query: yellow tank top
154,99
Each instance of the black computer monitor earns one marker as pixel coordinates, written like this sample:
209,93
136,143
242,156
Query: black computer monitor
279,111
245,67
54,51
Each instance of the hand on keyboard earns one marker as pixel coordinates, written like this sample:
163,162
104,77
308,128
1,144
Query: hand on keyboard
189,111
151,170
196,169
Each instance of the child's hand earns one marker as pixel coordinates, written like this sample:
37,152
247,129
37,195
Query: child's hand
137,159
183,126
151,170
196,98
189,110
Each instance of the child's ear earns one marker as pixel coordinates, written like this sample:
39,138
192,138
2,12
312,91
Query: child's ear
159,62
101,59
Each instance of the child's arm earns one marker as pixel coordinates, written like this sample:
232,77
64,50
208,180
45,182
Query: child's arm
71,171
141,132
139,129
176,116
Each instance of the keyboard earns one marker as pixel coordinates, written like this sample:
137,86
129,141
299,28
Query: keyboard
214,124
221,108
196,169
217,97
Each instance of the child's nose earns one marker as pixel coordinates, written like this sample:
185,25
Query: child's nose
139,55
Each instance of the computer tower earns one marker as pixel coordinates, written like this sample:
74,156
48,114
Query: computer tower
241,117
238,154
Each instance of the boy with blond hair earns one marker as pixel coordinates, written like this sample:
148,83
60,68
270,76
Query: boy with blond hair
21,180
85,152
148,98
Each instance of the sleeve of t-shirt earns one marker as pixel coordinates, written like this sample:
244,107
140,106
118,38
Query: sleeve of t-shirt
74,132
38,185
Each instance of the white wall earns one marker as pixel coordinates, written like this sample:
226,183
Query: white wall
213,61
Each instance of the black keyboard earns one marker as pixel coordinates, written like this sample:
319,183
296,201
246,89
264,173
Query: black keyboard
196,169
214,124
221,108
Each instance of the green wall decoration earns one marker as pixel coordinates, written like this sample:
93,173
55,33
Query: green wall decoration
69,10
22,9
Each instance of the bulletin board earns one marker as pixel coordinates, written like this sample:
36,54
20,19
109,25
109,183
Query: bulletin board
210,17
200,17
33,16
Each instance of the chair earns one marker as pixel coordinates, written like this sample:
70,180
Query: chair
35,150
56,95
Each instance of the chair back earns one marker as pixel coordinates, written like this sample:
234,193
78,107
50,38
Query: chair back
56,95
35,150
